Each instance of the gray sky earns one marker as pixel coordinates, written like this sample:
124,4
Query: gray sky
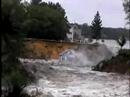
83,11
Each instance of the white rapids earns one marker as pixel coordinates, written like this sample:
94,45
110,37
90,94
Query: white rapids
67,81
70,80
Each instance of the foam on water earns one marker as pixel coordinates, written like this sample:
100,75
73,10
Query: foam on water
85,55
71,75
69,81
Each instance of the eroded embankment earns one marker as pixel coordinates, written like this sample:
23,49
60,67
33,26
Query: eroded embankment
45,49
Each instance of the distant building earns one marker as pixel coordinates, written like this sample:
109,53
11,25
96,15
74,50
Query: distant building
75,34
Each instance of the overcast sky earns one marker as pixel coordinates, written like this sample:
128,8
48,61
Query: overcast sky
83,11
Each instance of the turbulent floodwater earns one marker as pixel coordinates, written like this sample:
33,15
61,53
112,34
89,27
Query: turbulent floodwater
69,81
62,79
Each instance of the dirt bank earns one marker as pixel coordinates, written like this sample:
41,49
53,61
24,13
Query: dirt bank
43,49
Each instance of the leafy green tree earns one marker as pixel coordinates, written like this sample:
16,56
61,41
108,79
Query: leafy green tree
46,21
121,41
58,7
96,27
14,76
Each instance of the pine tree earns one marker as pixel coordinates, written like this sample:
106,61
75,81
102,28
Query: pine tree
96,27
126,4
14,75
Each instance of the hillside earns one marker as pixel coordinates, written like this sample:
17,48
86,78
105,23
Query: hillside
114,33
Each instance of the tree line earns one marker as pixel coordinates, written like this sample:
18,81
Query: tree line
46,21
106,32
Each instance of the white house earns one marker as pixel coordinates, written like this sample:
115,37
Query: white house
75,33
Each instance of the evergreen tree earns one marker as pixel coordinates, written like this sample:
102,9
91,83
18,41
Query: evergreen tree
14,76
96,27
126,5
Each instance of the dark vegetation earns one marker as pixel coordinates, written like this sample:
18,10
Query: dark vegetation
96,27
14,75
46,21
21,20
118,64
126,4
